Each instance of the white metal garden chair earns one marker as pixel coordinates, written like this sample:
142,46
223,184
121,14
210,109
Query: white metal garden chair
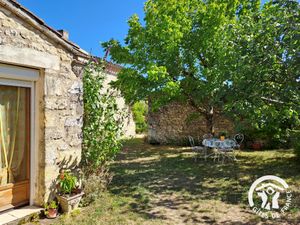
227,150
207,136
209,143
197,149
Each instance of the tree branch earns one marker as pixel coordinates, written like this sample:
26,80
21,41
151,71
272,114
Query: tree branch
203,61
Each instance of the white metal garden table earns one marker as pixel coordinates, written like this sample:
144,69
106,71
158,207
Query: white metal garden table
224,148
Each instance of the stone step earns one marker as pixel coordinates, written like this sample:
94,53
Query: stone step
14,216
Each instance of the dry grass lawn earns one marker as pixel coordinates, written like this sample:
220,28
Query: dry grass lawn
164,185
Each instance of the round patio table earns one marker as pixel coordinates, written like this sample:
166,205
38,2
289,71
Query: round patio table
222,147
217,143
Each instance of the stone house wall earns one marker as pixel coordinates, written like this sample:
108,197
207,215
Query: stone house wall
25,41
129,124
172,124
60,97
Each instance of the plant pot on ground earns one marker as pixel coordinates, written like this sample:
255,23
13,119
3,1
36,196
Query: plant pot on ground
51,210
257,145
69,194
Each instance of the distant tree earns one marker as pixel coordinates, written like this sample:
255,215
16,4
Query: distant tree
140,111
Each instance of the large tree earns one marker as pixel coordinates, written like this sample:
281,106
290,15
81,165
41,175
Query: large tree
176,54
265,68
187,51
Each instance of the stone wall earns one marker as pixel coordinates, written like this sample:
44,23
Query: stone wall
129,125
172,124
59,97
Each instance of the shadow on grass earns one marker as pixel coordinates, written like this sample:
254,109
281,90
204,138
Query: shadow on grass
166,177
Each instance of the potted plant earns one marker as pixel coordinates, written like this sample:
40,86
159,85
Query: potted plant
257,144
222,135
69,193
51,210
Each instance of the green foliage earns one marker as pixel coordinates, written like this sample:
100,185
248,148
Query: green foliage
178,54
223,133
140,111
103,121
95,185
232,57
269,123
51,205
262,57
296,142
66,182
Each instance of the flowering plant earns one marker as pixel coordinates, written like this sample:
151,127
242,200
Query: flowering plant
66,182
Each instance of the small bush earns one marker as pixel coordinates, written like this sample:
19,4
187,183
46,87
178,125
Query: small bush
102,130
296,143
102,122
95,184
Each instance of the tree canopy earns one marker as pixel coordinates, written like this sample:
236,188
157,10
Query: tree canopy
265,68
218,56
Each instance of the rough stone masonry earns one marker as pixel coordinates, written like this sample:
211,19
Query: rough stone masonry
25,41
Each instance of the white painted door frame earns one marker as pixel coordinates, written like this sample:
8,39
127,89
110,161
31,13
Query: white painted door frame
13,76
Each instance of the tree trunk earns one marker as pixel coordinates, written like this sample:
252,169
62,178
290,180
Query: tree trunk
210,121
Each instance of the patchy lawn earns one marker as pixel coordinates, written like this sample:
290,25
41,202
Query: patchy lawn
164,185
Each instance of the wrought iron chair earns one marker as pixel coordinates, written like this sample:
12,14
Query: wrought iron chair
207,136
238,138
197,149
228,149
209,143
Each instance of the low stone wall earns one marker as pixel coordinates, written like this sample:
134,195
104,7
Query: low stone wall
172,124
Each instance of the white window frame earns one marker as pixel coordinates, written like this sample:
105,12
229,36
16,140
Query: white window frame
13,76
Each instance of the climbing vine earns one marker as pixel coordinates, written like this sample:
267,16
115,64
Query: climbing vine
102,124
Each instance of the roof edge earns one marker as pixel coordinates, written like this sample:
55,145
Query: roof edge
40,25
112,68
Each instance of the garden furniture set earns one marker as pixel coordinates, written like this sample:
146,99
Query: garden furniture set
218,149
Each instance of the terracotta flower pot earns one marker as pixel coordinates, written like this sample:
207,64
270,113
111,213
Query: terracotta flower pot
51,213
257,146
69,203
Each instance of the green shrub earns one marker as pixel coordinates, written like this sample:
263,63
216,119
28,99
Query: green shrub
296,142
94,185
102,122
140,110
102,131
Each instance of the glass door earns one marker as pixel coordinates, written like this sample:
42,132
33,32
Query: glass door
14,146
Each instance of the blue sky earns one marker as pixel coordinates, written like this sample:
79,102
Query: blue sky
88,23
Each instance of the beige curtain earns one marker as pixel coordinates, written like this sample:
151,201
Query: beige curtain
12,133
